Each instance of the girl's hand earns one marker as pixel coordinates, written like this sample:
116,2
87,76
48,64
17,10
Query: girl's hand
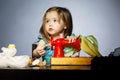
71,38
39,51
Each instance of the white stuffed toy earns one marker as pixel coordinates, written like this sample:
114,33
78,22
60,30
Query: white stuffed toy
8,58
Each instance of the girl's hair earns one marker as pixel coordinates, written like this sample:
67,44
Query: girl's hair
63,14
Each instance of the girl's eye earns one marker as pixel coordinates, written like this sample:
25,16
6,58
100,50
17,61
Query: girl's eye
47,21
55,20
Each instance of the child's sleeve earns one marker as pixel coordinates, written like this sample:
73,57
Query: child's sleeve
39,38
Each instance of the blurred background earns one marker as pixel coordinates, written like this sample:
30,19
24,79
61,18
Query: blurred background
20,21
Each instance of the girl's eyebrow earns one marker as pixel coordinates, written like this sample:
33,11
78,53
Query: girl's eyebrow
51,18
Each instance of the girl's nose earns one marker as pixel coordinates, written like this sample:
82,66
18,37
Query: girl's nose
50,23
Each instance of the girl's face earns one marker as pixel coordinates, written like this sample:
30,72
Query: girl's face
53,25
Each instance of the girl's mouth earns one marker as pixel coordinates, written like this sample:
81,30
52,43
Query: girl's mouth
50,29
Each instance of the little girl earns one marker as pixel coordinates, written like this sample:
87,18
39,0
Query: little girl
56,21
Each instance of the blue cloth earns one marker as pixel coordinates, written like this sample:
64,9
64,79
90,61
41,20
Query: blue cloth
68,51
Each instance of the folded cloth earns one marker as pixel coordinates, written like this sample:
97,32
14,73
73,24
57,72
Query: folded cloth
89,45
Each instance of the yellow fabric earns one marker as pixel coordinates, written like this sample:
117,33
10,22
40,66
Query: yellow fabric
89,45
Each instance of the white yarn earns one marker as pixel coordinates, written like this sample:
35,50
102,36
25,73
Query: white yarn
18,61
9,51
36,62
9,59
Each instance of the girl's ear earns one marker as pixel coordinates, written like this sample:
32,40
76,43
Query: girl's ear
65,27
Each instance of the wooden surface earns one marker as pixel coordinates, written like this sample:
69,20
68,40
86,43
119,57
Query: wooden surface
71,61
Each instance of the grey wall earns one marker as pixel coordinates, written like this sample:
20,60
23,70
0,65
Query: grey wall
20,21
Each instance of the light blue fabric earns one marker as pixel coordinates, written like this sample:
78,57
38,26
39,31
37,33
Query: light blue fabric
48,55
